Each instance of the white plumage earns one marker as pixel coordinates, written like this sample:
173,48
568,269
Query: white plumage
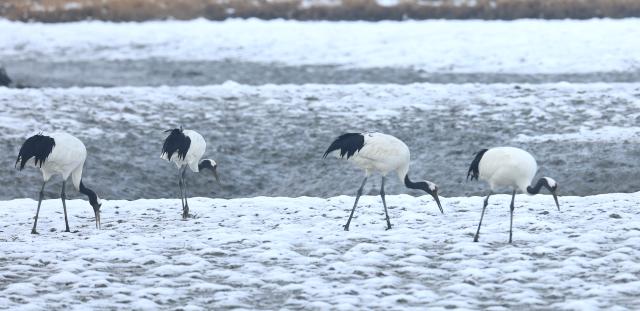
508,167
66,158
381,153
58,154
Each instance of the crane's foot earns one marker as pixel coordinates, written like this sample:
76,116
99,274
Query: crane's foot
67,230
186,216
476,237
346,227
185,213
388,227
33,231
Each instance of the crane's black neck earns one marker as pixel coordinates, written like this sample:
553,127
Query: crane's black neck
421,185
93,197
542,182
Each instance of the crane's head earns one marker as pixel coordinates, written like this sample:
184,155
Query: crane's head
96,203
211,165
432,189
552,186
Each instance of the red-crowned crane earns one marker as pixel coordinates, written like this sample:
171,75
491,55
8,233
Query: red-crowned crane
185,149
382,153
58,154
508,167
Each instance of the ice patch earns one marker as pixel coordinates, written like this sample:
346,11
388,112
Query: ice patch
604,134
65,277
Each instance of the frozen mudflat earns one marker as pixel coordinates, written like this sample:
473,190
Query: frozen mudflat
269,140
291,253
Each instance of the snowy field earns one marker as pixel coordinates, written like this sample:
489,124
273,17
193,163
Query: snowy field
527,46
258,52
291,253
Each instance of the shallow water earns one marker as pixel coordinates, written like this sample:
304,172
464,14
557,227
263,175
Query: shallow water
158,72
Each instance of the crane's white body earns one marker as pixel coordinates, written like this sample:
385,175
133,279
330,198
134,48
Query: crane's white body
194,154
67,158
507,167
383,153
58,154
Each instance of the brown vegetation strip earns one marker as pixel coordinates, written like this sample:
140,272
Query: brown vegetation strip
141,10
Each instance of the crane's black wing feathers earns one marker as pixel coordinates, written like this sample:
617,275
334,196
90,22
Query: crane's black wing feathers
348,144
474,169
38,147
176,142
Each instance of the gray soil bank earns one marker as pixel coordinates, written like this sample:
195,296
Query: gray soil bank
158,72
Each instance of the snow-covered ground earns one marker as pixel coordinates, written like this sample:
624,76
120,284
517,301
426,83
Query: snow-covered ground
291,253
523,46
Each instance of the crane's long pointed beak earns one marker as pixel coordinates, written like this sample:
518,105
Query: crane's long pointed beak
555,198
98,224
435,197
215,175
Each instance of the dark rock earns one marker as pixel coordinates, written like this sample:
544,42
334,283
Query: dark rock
4,78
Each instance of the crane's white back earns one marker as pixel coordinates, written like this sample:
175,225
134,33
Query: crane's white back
67,157
383,153
507,167
197,149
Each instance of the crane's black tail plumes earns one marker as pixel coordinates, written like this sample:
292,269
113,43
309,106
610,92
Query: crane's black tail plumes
38,147
348,144
178,142
474,169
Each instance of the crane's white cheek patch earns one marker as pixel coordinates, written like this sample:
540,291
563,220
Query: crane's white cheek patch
552,183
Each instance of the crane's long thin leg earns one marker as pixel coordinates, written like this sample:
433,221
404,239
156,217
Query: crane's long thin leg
63,196
346,227
486,202
181,183
41,196
384,203
512,207
185,211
